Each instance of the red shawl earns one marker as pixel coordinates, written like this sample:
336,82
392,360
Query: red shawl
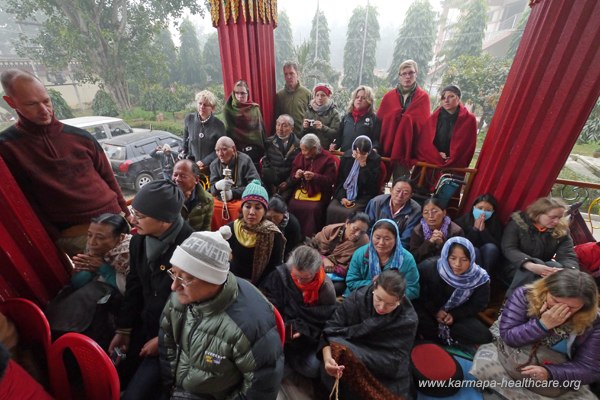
462,143
397,129
324,167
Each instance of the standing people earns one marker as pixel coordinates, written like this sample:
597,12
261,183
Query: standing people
202,129
401,113
245,123
293,98
322,117
167,159
218,336
198,204
62,170
449,135
359,120
160,228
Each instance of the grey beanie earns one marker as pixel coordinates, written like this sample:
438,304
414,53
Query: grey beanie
205,255
161,200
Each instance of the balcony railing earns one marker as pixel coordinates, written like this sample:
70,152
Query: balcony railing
585,192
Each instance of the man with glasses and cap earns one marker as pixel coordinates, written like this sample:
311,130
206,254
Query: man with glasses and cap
218,336
160,228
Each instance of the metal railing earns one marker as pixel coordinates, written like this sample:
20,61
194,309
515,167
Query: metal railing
585,192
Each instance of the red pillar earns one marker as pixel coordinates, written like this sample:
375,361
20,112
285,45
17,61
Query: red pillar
30,264
550,91
245,30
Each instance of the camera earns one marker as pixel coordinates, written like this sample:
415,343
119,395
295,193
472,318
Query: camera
311,122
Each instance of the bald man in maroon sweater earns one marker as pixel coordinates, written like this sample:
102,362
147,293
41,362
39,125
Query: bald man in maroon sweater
61,169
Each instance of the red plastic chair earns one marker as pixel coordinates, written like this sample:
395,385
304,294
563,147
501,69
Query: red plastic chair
30,321
280,325
100,379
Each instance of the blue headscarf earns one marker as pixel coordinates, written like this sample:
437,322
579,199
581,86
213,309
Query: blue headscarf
351,182
396,259
464,284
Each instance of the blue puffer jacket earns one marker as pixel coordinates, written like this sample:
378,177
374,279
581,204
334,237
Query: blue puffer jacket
518,329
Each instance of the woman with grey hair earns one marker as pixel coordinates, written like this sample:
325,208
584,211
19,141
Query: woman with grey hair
360,119
202,129
305,297
314,172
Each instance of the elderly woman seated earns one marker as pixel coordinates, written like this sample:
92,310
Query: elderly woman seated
230,172
281,150
305,297
368,340
383,252
313,175
358,181
337,243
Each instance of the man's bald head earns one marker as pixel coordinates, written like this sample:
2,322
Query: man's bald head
27,95
225,149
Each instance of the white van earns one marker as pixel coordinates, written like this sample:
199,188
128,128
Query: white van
102,128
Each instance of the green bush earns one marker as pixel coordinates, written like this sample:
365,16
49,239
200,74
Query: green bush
59,105
137,113
104,105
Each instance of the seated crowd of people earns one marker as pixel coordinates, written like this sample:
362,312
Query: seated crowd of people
358,276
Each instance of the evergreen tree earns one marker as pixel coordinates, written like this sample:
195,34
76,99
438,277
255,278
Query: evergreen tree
361,45
516,39
415,41
166,48
190,56
59,105
319,24
211,52
469,32
284,45
313,71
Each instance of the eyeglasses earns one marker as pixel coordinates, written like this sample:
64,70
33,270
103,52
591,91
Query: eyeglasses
240,93
407,74
137,215
179,279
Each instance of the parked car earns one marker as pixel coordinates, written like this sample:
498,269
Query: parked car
101,128
130,159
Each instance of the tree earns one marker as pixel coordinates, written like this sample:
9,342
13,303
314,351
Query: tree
59,105
469,31
109,40
481,80
415,41
104,105
319,38
361,44
166,48
591,130
313,71
190,56
284,45
211,52
516,39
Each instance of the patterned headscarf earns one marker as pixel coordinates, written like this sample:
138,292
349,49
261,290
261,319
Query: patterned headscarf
374,267
464,284
351,182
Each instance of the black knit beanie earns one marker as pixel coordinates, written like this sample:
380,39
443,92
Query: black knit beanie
161,200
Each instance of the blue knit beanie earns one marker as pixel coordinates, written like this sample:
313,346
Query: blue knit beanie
256,192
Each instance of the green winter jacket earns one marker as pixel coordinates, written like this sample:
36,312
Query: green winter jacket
293,103
331,123
198,209
224,348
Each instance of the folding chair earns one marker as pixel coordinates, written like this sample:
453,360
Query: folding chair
30,321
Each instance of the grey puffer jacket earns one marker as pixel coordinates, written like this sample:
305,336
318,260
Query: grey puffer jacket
517,329
224,348
522,241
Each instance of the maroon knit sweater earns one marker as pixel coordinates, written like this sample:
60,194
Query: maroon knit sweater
63,172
